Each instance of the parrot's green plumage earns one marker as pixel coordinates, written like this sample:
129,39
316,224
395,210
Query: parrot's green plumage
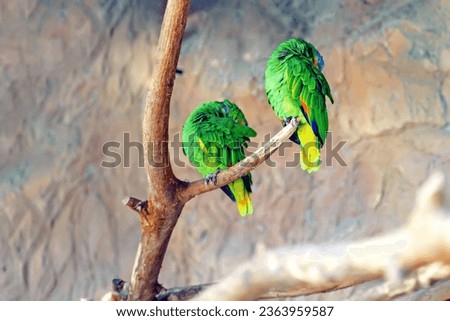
214,138
296,87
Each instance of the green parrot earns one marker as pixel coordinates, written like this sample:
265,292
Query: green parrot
214,137
296,87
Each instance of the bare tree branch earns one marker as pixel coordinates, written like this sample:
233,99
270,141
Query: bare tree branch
416,280
155,124
243,167
160,213
308,269
438,291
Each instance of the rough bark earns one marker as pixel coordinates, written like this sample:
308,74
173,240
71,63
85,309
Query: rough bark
160,213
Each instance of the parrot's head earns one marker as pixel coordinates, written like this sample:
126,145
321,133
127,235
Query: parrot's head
303,48
232,111
318,60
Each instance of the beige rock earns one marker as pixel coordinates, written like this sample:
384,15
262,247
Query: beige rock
444,60
397,43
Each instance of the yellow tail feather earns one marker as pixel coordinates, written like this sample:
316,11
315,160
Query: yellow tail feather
243,201
310,153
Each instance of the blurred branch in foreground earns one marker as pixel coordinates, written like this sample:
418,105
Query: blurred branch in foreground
409,258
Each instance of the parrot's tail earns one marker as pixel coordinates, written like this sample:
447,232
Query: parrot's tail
310,153
242,196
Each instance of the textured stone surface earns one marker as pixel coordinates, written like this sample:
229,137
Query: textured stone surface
73,75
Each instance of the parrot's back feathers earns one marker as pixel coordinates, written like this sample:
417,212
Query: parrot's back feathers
214,137
296,87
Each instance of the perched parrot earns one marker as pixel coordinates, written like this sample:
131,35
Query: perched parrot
214,137
296,87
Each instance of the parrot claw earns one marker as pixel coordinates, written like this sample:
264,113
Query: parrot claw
212,178
294,122
286,121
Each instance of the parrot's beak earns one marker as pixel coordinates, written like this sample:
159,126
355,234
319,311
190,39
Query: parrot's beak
316,62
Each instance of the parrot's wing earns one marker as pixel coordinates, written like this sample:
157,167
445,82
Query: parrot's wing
221,141
212,141
308,86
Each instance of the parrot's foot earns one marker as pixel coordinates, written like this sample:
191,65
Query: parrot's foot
212,178
286,121
293,122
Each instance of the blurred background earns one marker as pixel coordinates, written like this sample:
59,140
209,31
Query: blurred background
74,75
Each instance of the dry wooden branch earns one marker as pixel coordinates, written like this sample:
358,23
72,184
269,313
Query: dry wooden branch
307,269
438,291
416,280
155,124
159,216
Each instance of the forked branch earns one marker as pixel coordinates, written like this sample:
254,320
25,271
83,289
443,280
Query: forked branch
160,212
